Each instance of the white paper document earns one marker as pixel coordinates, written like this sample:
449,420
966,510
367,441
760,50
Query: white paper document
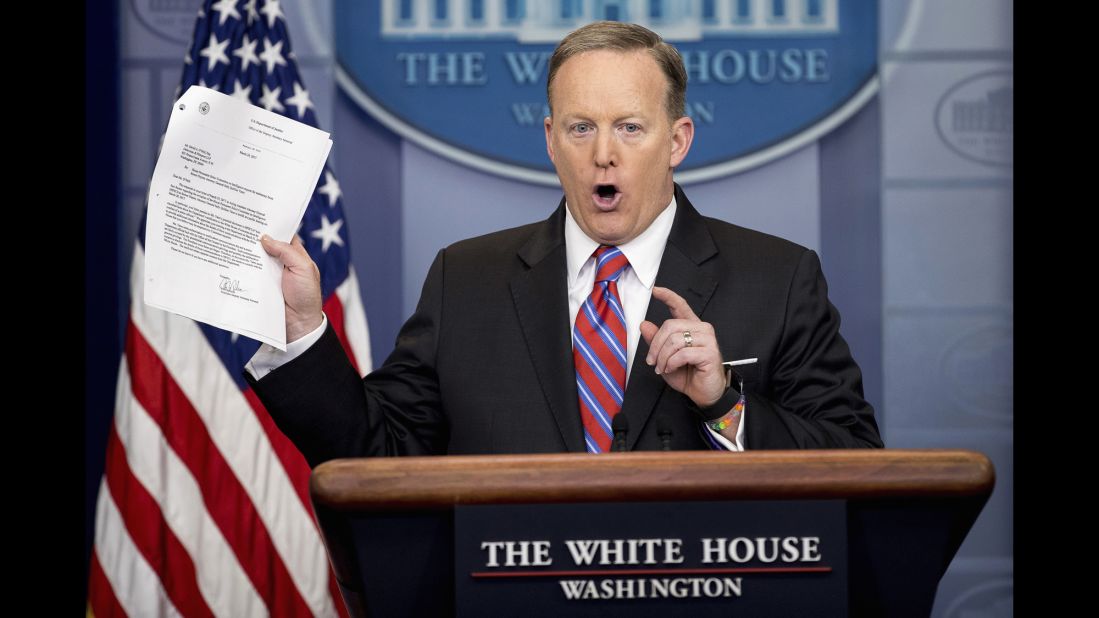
227,173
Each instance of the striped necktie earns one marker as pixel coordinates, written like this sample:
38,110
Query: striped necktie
599,351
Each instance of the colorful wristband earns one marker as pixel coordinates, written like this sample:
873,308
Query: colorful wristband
721,406
723,422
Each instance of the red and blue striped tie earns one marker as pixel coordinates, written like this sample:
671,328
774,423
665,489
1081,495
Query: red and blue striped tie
599,351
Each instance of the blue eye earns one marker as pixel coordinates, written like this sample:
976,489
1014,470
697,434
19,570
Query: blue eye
582,128
631,127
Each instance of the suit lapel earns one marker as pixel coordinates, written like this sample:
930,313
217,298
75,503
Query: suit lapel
541,302
686,269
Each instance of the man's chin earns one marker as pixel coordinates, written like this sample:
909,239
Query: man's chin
610,233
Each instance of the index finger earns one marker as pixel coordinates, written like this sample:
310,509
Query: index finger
676,304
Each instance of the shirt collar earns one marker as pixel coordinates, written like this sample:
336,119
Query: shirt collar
643,252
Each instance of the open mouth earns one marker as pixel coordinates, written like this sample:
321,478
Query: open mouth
606,195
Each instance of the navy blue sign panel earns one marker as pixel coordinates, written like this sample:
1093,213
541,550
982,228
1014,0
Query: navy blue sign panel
652,559
466,78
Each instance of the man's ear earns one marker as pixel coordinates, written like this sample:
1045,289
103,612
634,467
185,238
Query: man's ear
548,123
683,133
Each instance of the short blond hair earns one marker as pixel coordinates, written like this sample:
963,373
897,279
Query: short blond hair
618,36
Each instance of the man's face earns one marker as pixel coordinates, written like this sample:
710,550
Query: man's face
612,142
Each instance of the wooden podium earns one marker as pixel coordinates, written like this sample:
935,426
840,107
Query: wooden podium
388,523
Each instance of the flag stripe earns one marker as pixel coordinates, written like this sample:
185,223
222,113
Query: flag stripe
101,600
223,582
298,470
358,334
136,587
226,500
157,543
243,456
334,310
293,462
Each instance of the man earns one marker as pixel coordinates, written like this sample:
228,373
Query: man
605,326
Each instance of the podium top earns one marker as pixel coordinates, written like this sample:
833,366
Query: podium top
441,482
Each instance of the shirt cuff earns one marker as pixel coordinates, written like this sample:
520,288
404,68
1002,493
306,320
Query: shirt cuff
269,358
737,446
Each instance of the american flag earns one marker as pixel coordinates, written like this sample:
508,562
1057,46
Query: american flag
204,507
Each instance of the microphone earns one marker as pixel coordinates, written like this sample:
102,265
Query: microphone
620,425
664,430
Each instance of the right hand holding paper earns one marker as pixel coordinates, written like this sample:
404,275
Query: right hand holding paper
227,173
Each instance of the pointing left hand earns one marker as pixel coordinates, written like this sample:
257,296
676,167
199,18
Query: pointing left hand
684,351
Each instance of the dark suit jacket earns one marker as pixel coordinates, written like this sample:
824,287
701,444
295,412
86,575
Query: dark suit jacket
485,365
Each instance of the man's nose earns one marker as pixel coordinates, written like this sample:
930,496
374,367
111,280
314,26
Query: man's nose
606,150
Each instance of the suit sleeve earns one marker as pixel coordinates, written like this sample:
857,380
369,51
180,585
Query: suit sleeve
319,401
816,398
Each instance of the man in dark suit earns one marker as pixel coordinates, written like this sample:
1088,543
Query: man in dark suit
609,322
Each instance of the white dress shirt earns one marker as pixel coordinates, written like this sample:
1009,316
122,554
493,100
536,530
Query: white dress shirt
635,286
